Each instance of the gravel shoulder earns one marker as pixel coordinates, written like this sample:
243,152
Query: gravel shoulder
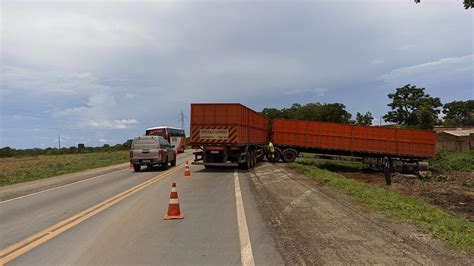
312,223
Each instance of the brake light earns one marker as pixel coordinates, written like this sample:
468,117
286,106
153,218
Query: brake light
131,154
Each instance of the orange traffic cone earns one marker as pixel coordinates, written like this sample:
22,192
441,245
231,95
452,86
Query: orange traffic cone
187,172
173,207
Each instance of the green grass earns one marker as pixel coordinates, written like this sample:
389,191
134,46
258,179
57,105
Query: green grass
460,161
458,232
17,170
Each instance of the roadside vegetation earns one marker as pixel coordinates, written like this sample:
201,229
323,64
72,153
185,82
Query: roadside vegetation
80,148
458,232
453,161
29,168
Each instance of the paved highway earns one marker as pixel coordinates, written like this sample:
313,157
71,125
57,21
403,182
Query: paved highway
117,218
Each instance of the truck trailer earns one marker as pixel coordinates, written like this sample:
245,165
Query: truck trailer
227,134
291,137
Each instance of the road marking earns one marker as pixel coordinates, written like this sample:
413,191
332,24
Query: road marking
73,183
10,253
246,255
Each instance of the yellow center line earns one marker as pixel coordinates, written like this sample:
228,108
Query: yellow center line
10,253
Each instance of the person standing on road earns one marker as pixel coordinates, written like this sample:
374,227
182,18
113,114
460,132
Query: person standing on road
387,170
271,150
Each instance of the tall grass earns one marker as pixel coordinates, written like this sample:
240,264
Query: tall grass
460,161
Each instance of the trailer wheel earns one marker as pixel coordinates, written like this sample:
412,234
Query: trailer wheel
255,158
289,155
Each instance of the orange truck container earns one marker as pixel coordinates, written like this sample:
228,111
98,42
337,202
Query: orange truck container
294,136
229,134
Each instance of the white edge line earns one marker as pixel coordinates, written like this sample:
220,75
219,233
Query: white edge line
246,255
49,189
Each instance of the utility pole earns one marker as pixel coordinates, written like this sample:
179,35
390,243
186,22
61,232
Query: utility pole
59,141
181,117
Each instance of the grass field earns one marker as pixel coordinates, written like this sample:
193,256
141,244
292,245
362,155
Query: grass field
458,161
17,170
456,231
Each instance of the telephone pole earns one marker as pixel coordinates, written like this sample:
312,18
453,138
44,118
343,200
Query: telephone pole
59,141
182,118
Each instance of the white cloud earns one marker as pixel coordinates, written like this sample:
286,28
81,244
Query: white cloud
431,72
115,124
376,61
102,140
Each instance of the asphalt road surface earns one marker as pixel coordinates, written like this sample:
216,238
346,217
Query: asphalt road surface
117,218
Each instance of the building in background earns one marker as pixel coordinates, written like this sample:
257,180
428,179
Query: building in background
455,140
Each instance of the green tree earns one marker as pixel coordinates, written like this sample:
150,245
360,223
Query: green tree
364,119
467,3
425,117
328,112
407,101
127,144
459,113
333,112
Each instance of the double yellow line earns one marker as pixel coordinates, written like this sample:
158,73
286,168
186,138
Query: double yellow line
12,252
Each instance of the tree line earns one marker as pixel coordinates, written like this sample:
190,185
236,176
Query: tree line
80,148
410,107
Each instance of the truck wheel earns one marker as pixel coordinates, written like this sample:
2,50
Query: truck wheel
137,167
277,155
248,163
289,155
254,158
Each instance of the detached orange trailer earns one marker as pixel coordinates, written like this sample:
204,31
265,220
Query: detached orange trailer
228,134
291,137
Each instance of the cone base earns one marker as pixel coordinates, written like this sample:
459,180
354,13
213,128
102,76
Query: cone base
173,217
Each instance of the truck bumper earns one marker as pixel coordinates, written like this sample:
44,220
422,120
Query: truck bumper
146,161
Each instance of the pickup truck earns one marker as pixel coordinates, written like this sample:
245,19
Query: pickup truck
151,151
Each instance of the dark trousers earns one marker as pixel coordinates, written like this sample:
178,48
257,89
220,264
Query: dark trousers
388,178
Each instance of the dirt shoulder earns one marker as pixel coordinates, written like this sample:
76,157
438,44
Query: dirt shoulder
21,189
315,224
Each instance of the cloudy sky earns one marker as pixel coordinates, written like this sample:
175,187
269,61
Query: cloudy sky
98,73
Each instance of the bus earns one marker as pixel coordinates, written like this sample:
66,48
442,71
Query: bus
175,136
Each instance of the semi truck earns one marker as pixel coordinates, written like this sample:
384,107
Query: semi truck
234,135
228,134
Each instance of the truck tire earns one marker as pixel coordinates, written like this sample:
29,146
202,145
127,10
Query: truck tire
254,158
137,167
277,155
289,155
